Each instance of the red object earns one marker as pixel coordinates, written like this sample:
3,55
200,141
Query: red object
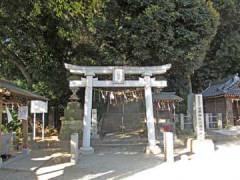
167,128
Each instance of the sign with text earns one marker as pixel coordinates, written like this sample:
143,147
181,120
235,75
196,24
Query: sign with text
118,76
199,117
39,107
23,113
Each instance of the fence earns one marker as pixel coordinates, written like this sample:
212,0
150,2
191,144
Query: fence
185,122
213,120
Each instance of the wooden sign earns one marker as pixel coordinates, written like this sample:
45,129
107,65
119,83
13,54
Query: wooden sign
39,107
23,113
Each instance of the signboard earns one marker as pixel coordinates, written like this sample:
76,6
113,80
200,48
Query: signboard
23,113
199,117
39,107
118,76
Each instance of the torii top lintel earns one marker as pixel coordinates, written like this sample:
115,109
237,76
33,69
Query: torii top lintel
150,70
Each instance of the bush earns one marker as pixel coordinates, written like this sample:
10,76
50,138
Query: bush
14,126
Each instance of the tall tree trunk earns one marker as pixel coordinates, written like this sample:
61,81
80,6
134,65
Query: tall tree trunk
15,59
189,83
23,70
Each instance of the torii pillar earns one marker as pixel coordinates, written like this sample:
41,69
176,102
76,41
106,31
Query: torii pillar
87,118
152,147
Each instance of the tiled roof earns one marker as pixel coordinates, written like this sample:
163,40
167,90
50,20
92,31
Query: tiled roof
166,96
229,87
19,91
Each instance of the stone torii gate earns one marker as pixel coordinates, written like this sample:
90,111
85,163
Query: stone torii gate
118,74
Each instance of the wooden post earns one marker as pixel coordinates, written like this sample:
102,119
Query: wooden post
25,136
1,110
34,126
43,125
219,120
237,118
207,120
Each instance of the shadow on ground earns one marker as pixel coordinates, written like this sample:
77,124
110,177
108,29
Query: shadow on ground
106,163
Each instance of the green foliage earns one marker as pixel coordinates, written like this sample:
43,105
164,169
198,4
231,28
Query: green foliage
223,56
14,126
157,32
38,37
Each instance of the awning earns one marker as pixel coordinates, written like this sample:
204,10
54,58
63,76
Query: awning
8,90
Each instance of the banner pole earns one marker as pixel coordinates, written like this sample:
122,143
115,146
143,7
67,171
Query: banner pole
43,122
34,126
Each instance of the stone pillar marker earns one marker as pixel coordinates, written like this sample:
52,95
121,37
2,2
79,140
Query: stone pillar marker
200,146
182,121
152,147
74,148
94,124
168,147
199,117
87,118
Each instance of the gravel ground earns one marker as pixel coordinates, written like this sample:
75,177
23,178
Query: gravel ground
129,162
16,175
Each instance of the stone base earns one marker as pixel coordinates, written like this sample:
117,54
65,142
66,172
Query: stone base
202,147
95,136
84,150
74,161
153,150
69,127
189,144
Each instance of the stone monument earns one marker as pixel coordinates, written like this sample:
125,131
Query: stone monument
169,147
72,121
200,145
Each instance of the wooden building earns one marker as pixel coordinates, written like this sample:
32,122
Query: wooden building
13,96
224,98
131,116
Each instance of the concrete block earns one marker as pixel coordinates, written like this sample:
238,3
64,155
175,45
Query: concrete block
153,150
202,147
189,144
74,148
86,151
169,147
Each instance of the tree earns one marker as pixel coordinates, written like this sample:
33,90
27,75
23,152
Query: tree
156,32
37,37
223,56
